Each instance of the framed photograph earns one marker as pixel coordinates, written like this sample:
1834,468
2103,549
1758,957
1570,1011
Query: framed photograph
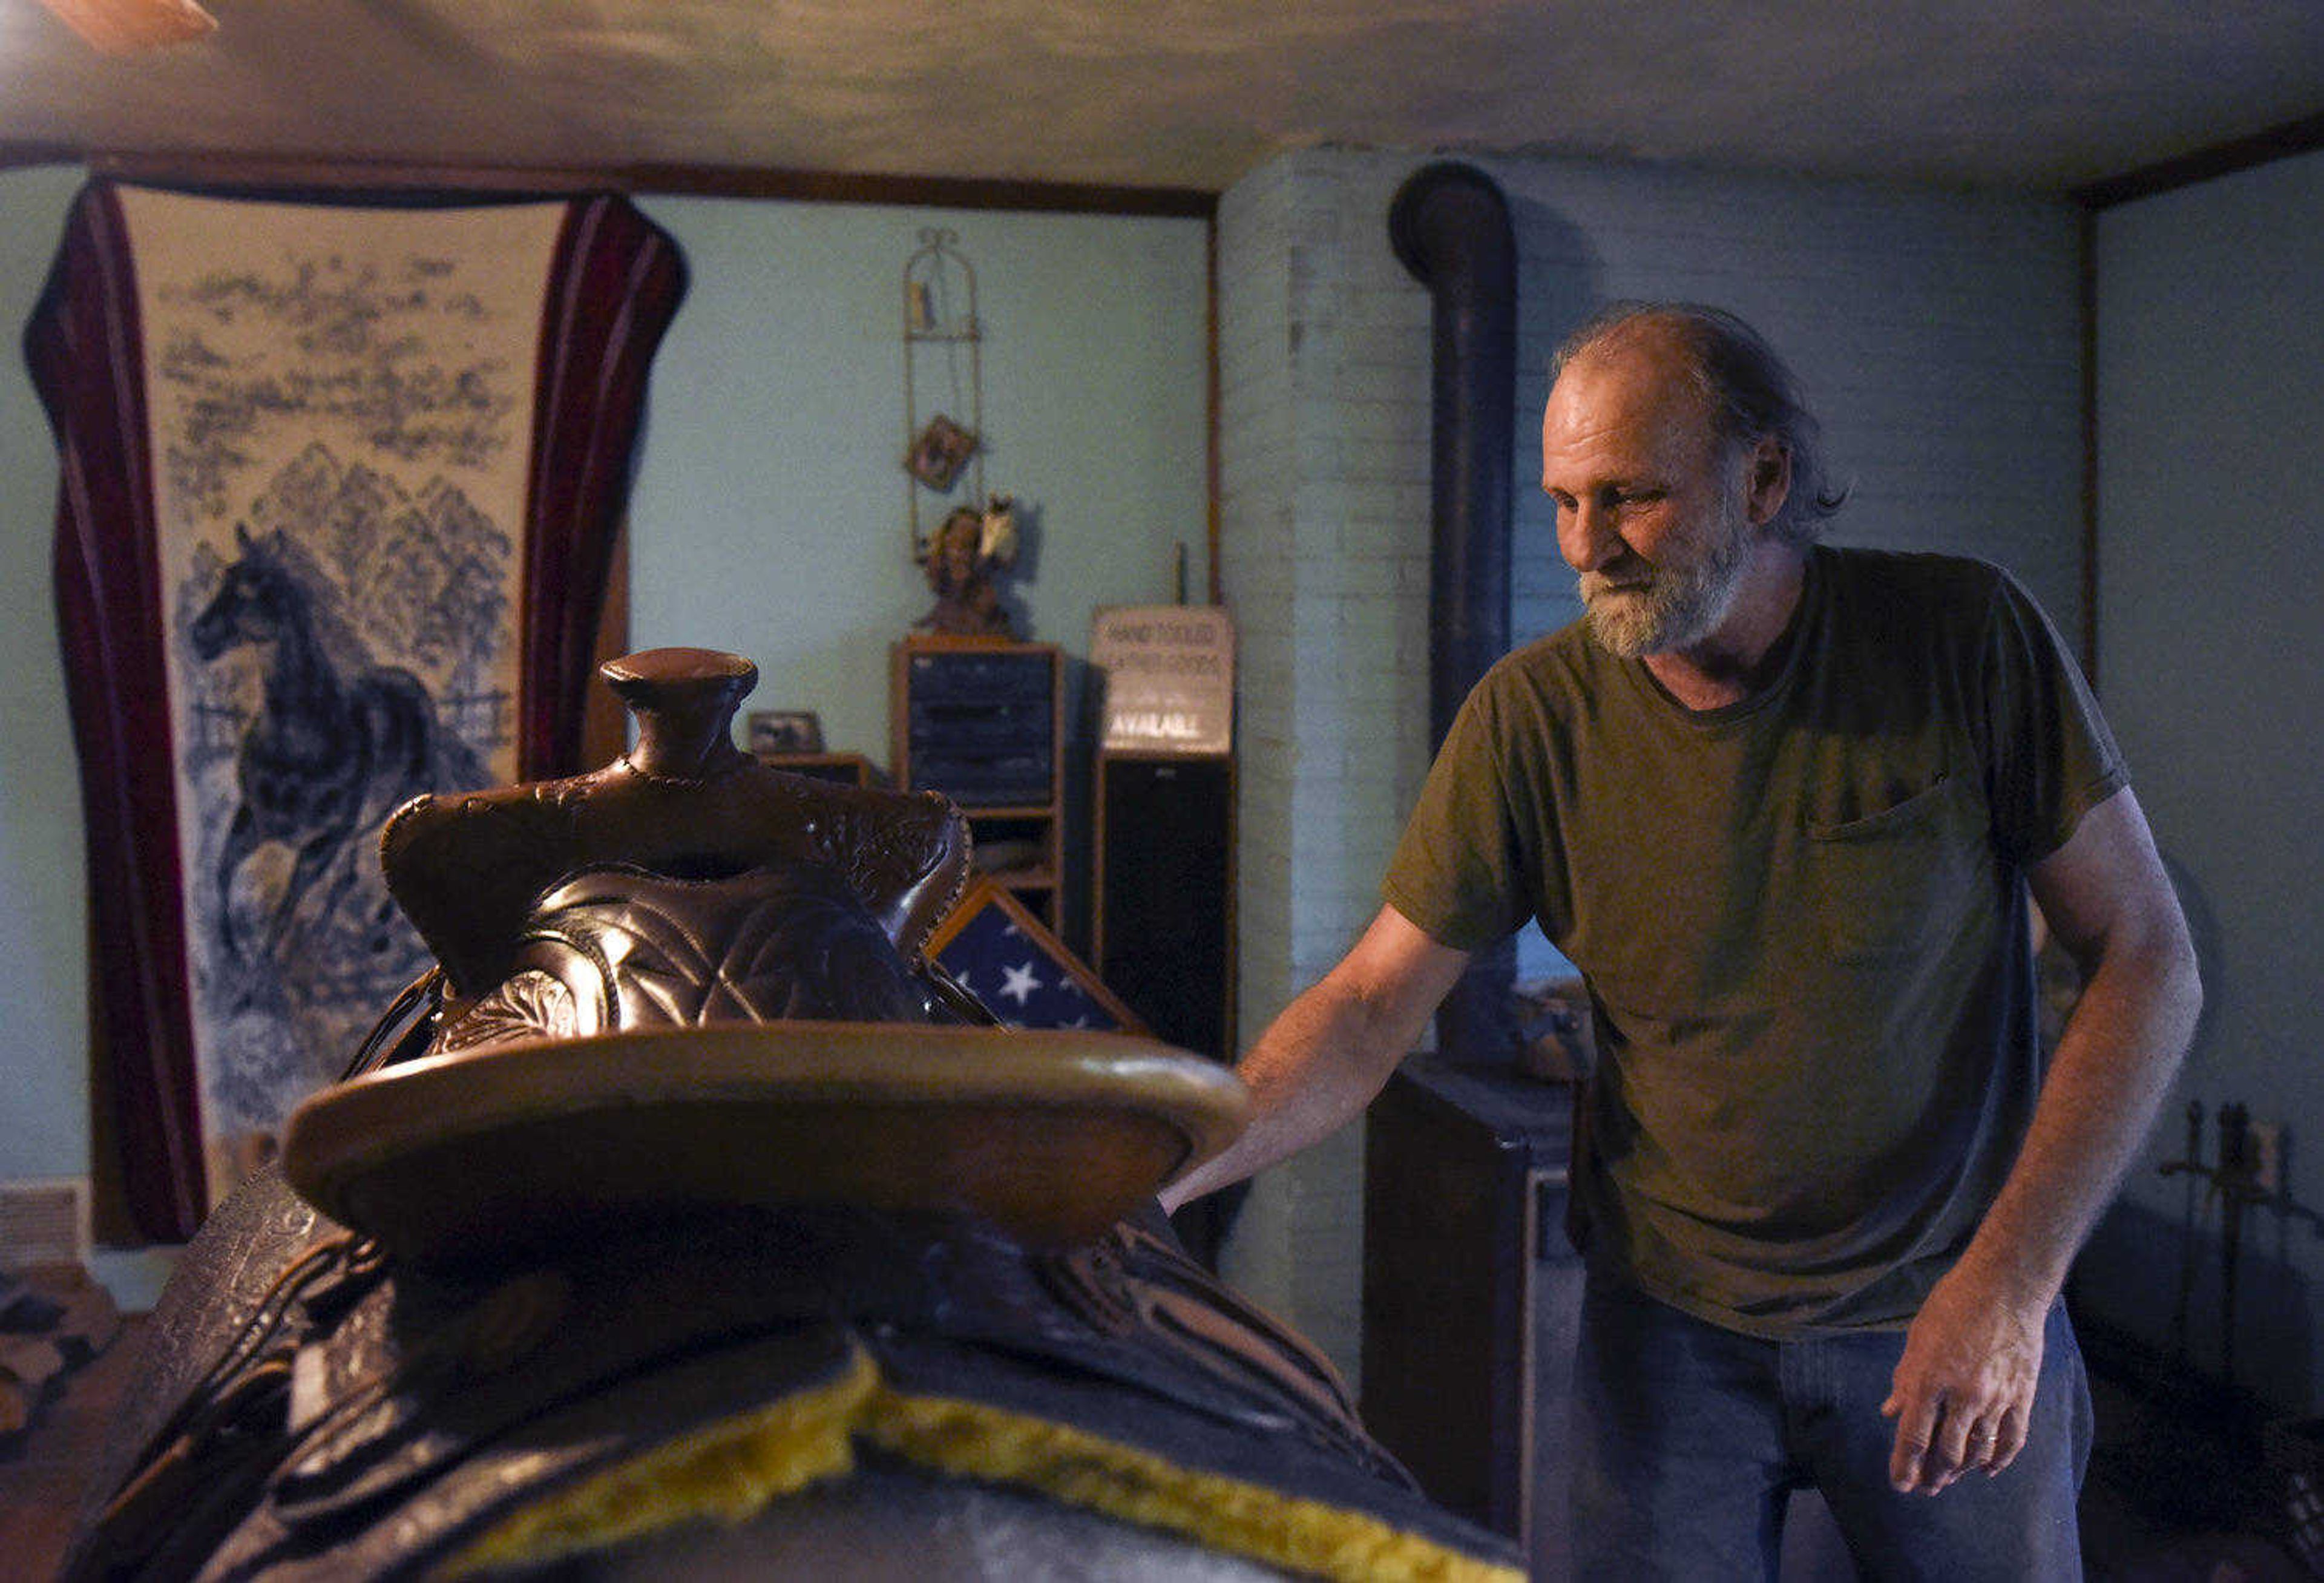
785,730
935,457
1025,976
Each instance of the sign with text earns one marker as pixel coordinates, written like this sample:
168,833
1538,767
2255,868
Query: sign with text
1169,677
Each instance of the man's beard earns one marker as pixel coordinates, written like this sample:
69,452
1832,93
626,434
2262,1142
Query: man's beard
1673,603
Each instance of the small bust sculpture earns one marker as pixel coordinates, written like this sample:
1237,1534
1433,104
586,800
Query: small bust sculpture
961,559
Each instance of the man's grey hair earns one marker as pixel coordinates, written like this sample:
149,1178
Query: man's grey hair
1752,395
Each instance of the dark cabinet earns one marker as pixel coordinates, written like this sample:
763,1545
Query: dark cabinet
1471,1293
1162,923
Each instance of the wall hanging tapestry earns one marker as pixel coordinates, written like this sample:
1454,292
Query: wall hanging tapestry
339,490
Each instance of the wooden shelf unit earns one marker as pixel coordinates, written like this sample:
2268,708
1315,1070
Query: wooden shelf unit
983,722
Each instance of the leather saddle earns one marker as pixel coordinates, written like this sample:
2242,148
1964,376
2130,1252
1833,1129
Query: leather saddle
686,1197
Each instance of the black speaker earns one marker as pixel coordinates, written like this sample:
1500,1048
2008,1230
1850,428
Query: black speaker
1162,929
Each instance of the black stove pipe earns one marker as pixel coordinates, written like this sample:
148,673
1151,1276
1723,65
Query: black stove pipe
1450,227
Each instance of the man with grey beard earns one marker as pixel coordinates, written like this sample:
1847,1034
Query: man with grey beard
1784,806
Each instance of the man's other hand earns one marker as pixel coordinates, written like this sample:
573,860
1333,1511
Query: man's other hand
1963,1394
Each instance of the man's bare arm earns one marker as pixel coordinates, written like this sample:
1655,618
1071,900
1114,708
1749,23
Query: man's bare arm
1332,1050
1965,1387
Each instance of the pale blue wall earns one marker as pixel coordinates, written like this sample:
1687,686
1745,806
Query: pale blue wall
770,505
2210,370
768,514
44,924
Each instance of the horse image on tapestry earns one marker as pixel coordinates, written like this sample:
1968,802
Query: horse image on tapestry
337,743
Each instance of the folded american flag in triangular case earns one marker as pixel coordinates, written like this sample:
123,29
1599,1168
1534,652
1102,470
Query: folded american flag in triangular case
1019,972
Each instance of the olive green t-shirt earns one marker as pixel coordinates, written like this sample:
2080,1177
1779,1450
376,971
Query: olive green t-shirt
1803,922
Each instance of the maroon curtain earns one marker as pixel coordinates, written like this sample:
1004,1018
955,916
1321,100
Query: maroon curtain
616,282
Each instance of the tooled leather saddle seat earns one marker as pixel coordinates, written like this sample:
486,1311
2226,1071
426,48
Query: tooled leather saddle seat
688,1224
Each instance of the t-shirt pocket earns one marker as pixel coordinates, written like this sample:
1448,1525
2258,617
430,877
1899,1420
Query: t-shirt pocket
1890,884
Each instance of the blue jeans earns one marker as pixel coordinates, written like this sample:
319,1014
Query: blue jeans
1688,1440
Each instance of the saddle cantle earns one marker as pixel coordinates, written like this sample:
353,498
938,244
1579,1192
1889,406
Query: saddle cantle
690,1231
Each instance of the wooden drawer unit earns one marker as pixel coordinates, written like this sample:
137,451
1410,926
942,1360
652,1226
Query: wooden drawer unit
984,723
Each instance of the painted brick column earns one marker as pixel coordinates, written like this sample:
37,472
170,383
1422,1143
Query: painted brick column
1324,382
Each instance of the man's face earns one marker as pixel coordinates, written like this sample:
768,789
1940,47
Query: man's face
1650,503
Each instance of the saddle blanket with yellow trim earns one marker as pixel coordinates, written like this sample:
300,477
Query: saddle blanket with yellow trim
729,1374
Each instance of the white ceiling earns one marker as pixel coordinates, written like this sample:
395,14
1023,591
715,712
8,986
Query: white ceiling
1182,93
